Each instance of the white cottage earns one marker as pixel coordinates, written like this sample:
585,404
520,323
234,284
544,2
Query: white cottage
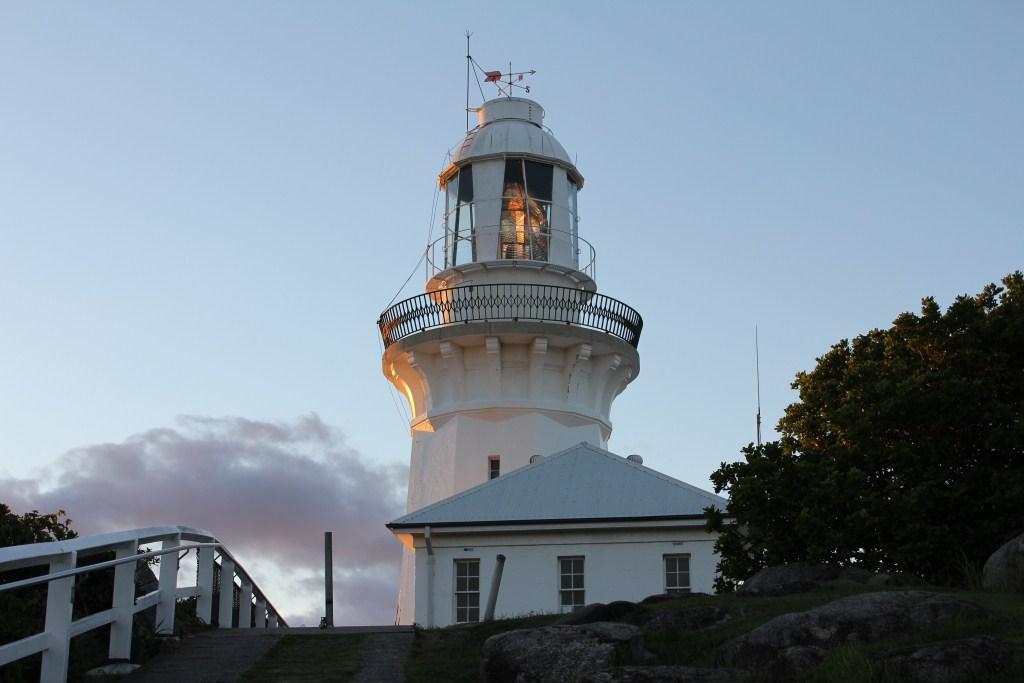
512,352
580,526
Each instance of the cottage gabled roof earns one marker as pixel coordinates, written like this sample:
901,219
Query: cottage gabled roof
582,483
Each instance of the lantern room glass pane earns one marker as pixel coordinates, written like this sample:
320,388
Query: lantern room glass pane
524,232
459,247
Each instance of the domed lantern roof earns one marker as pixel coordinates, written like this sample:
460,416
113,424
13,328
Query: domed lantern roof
510,126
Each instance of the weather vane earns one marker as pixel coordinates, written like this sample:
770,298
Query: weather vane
506,87
498,78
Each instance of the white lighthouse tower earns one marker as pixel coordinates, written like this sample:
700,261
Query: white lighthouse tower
511,353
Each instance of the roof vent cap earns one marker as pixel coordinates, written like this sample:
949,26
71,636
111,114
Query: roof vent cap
502,108
635,458
536,458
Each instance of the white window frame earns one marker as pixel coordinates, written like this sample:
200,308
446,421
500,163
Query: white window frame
466,590
573,588
674,588
493,467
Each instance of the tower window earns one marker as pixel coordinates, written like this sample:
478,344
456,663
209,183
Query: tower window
571,591
677,574
493,466
467,591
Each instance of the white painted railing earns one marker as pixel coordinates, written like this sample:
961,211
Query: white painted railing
62,557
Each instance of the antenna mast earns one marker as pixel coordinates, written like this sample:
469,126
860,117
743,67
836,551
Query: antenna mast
469,63
757,366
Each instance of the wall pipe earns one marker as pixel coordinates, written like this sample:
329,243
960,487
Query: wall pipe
430,576
492,598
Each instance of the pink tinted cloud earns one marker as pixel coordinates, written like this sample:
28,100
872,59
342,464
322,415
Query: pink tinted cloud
267,490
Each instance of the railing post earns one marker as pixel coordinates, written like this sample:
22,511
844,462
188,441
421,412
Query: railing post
273,620
168,587
226,608
123,602
245,606
261,613
59,603
204,581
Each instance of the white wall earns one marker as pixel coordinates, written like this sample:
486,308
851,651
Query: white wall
620,564
454,457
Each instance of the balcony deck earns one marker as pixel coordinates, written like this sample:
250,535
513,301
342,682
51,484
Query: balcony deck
510,302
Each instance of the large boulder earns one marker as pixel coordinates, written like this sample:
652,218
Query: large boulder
686,619
598,611
797,577
670,674
795,642
665,597
559,653
954,661
1004,570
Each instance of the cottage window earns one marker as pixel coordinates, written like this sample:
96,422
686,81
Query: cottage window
571,591
493,466
677,574
467,591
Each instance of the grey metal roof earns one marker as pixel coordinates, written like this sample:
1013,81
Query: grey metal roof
580,483
513,133
510,136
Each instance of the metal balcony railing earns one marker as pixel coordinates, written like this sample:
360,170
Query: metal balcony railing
511,243
61,559
510,302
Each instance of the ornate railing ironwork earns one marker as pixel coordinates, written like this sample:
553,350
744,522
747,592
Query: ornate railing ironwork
510,302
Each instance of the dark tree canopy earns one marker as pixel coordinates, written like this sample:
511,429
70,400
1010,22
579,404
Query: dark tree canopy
904,453
33,527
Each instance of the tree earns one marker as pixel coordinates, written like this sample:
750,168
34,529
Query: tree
21,611
33,527
904,453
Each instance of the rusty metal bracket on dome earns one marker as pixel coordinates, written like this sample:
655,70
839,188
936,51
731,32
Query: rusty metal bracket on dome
510,302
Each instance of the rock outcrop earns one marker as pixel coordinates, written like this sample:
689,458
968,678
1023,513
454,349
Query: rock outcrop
686,619
784,579
559,653
1004,570
669,674
953,661
792,643
598,611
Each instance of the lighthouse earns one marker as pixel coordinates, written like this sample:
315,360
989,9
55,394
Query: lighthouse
510,362
511,352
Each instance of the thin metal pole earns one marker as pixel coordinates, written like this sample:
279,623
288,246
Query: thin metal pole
757,366
329,578
468,62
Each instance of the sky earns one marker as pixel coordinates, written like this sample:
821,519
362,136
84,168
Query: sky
205,207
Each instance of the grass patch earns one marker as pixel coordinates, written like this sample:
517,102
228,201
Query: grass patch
453,654
698,648
295,658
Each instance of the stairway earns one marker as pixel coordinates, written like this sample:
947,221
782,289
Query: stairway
223,655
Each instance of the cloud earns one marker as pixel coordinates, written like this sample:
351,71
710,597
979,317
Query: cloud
268,491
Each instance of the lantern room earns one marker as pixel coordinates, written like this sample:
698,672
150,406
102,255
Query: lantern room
511,204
